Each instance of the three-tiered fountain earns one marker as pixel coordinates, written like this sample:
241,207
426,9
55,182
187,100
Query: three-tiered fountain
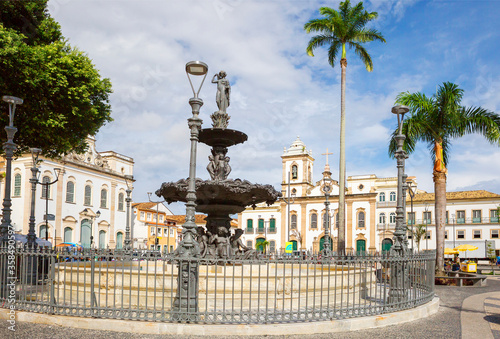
220,197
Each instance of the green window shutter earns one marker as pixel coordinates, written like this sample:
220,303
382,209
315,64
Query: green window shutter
272,225
250,223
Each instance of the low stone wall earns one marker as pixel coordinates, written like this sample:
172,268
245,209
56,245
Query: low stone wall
250,287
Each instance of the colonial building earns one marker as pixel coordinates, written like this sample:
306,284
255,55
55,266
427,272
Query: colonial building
154,227
87,200
370,211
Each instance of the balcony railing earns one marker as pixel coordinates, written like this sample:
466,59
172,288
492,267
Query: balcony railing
386,203
457,221
386,227
249,230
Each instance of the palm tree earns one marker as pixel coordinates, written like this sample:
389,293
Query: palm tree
436,121
418,233
338,29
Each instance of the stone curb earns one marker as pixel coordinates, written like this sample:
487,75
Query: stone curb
142,327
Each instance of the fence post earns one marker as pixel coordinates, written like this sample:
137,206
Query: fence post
52,299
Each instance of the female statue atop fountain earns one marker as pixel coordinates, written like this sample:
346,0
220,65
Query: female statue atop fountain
223,91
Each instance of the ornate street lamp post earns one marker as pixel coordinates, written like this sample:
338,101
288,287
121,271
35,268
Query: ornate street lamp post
9,147
186,300
31,239
157,212
97,215
397,292
327,189
128,243
411,191
288,201
45,188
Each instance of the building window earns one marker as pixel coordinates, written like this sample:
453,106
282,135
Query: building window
250,225
120,201
68,234
494,234
104,198
460,217
161,217
411,218
460,234
154,217
45,188
361,219
272,246
427,218
476,234
171,232
446,234
314,220
249,243
392,196
87,201
428,235
272,225
381,197
381,218
476,216
493,215
337,220
119,240
392,218
261,225
294,172
159,232
294,222
17,185
142,215
149,216
152,231
43,232
102,239
70,192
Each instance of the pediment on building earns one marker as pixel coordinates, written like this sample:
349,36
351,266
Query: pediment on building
90,158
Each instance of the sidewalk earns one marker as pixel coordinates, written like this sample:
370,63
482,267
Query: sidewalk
465,312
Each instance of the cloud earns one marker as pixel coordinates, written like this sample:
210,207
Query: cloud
278,92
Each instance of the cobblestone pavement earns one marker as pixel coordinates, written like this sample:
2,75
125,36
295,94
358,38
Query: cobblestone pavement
445,324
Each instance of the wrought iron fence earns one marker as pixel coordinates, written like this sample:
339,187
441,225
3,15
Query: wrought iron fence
271,288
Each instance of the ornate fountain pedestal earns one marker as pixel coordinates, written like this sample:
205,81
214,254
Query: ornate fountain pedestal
219,197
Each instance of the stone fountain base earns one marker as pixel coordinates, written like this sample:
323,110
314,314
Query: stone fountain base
247,287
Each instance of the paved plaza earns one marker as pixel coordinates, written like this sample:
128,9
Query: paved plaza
465,312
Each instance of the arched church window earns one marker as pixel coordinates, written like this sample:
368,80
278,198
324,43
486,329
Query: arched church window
294,172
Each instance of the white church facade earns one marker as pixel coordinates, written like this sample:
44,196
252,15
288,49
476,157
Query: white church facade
89,199
370,211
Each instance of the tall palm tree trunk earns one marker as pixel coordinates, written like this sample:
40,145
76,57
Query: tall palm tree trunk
341,236
440,211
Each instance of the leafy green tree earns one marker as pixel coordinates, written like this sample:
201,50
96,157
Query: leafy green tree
436,120
65,98
338,29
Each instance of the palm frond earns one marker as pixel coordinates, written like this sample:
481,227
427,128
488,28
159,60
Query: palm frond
363,55
333,51
317,41
318,25
479,120
367,35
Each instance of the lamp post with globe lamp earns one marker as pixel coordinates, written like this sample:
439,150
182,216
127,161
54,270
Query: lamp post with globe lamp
186,300
9,147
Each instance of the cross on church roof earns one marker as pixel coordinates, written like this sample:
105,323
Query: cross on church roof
326,155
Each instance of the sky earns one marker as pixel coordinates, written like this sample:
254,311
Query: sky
278,91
